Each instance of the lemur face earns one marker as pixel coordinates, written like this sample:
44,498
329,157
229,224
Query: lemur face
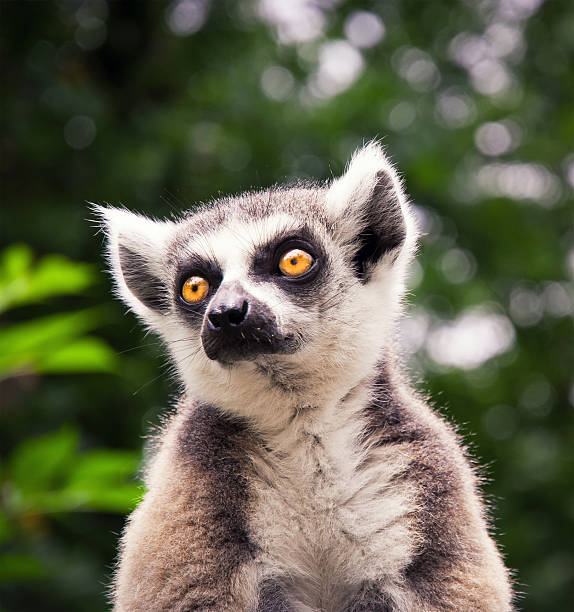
244,288
286,285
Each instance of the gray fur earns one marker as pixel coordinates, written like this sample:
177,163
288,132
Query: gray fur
300,472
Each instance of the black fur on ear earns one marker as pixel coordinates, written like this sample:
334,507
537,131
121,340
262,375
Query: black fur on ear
137,256
141,282
384,228
368,211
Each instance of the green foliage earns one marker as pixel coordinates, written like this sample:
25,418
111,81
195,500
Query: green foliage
50,475
53,344
23,283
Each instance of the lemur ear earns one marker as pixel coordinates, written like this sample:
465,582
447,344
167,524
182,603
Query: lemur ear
136,252
368,209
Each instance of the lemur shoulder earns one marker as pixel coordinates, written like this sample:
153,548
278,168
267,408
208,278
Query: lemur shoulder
300,471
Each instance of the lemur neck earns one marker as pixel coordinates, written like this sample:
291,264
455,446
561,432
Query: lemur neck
326,411
271,399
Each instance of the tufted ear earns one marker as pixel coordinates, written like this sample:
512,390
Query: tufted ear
136,247
368,209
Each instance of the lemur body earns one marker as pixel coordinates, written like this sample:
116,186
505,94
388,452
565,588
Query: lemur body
300,471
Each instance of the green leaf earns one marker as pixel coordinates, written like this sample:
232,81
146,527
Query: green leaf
46,330
120,498
50,345
82,355
57,275
48,475
103,467
101,475
15,261
84,496
41,463
54,275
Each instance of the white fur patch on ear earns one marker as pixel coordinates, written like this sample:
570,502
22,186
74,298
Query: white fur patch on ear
369,211
356,185
136,248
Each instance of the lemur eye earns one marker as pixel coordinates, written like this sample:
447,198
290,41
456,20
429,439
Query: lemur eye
194,289
295,262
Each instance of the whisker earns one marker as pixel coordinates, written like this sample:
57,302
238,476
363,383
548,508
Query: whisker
135,348
157,343
149,382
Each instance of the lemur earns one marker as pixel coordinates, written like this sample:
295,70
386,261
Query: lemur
299,471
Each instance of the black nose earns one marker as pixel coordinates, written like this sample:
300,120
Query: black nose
238,327
225,316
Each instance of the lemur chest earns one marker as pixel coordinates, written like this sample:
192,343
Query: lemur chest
327,513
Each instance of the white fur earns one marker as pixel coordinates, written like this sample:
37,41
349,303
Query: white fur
146,237
320,521
343,201
357,184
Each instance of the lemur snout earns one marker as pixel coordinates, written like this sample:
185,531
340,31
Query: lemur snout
240,327
225,315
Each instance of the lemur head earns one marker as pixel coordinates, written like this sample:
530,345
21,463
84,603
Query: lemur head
291,291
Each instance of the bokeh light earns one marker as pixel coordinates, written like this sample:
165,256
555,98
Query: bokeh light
80,132
471,339
186,17
364,29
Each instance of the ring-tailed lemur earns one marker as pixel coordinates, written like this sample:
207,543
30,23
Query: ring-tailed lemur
300,471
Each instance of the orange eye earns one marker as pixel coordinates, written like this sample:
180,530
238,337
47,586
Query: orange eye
194,289
295,262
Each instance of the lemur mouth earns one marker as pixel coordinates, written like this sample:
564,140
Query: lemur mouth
245,344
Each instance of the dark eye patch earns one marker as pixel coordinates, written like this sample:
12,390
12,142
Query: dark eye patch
266,258
196,266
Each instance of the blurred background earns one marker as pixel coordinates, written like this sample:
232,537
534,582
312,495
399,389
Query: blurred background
157,105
